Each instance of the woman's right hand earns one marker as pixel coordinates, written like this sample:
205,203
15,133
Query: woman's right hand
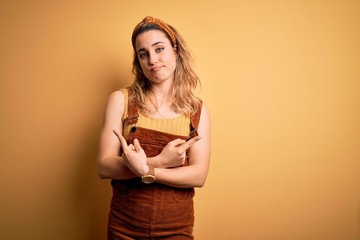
134,156
174,153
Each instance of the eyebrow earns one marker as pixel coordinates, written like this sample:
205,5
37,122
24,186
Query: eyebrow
154,44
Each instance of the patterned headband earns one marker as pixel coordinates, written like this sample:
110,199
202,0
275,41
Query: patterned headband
160,24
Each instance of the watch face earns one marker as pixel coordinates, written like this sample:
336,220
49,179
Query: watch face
148,179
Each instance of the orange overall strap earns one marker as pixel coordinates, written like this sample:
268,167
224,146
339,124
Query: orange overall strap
133,113
194,121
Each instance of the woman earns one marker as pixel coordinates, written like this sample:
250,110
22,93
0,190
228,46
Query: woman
163,133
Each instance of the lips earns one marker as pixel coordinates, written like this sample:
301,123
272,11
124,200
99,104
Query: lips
156,68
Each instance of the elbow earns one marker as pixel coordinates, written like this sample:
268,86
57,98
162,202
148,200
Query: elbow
200,183
199,179
102,176
101,172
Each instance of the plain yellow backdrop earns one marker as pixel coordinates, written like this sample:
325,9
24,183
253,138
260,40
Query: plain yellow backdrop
281,80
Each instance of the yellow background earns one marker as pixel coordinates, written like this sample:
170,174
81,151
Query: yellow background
281,79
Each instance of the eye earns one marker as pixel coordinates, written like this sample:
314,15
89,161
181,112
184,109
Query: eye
160,49
142,55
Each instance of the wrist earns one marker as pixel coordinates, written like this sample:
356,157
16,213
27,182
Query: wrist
156,162
149,177
144,171
160,161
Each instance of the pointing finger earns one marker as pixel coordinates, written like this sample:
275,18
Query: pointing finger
178,141
189,143
121,139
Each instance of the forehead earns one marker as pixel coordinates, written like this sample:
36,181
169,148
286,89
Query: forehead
148,38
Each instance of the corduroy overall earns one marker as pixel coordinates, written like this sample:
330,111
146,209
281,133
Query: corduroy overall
151,211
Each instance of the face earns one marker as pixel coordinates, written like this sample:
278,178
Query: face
156,55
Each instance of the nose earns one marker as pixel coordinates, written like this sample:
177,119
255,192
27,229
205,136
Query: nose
152,58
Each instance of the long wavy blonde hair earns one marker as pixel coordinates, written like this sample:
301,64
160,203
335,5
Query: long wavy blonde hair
184,100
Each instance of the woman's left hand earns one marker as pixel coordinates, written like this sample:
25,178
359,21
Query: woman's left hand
134,157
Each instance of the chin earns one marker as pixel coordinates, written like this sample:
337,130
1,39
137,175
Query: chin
159,79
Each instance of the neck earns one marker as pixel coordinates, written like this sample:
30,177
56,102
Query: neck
161,92
160,100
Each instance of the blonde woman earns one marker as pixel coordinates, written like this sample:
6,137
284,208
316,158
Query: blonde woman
155,141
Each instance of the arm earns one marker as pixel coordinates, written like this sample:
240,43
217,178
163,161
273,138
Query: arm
195,174
109,164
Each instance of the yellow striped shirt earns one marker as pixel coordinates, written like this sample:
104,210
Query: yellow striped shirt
179,125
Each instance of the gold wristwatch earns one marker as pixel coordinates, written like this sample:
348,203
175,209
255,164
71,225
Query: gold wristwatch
150,176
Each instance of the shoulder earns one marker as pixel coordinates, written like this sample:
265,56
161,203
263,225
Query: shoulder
204,111
204,118
117,97
116,102
201,116
202,107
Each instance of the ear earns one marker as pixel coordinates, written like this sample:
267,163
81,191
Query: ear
175,48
